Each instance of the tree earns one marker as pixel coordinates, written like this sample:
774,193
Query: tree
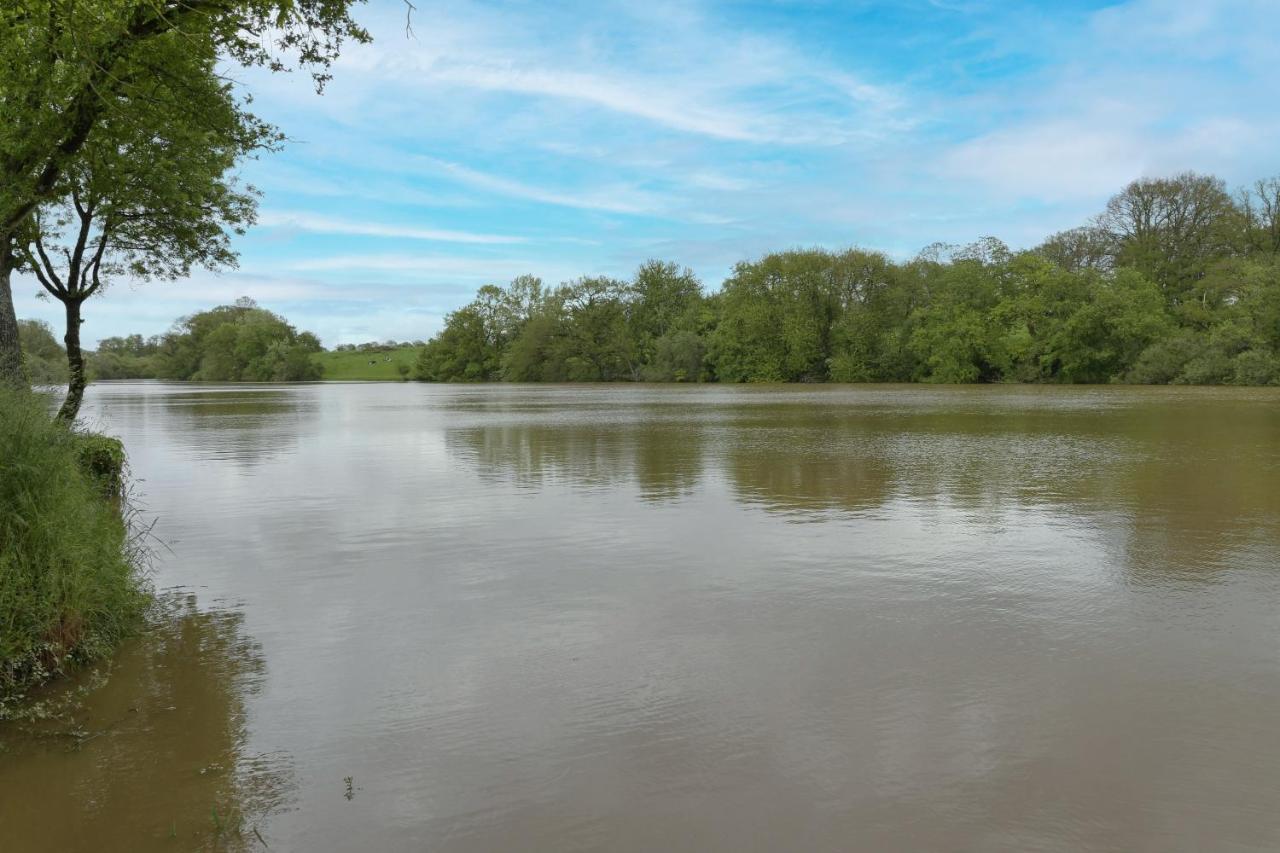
464,351
66,67
237,343
130,357
45,361
1172,230
1260,205
472,346
1175,283
778,317
1089,247
664,300
1116,321
597,346
149,198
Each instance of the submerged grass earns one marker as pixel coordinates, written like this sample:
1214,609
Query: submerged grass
71,585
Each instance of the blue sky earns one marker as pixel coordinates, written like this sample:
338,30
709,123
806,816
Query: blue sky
564,139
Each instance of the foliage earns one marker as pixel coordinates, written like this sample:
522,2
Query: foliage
1176,282
130,357
102,460
69,579
44,357
74,74
235,343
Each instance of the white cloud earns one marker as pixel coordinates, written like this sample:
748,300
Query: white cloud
662,103
619,199
329,225
1148,87
578,139
397,263
681,69
1058,158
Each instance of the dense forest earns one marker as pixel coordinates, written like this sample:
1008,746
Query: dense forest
1177,281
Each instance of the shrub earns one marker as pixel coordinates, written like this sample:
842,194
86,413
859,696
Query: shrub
1256,367
102,459
70,584
43,356
1211,367
1164,361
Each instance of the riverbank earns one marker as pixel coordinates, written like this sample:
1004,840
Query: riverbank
71,586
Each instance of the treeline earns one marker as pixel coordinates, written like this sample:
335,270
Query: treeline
377,346
230,343
43,357
1177,281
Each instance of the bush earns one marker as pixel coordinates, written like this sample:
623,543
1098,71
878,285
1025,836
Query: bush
102,459
1256,367
43,356
1164,361
1212,367
70,585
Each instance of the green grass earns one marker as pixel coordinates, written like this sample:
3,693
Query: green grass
70,585
348,366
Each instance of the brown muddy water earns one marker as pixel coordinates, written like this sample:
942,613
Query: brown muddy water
407,617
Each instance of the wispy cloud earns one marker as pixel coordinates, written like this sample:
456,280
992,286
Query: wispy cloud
620,199
664,105
572,138
683,69
331,225
421,266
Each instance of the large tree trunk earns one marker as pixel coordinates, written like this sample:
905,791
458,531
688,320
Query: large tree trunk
75,361
11,370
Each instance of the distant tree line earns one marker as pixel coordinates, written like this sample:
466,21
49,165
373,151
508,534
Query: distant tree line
377,346
230,343
1176,281
44,358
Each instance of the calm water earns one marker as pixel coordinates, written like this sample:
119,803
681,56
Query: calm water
415,617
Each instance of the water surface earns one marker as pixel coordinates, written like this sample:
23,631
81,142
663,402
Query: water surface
685,618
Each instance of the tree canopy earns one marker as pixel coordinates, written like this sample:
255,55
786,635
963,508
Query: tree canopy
67,70
1177,280
150,197
234,343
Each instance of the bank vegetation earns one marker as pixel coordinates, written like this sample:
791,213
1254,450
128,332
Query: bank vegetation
1177,281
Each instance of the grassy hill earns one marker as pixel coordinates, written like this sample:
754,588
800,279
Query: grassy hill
374,365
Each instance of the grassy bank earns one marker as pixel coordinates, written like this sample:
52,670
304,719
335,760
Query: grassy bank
372,365
70,585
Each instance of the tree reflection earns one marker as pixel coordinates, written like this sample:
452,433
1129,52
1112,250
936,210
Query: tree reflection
1180,481
153,755
663,460
247,426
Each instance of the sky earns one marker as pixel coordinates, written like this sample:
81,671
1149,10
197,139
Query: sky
565,139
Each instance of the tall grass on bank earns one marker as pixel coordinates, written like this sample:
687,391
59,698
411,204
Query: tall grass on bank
70,579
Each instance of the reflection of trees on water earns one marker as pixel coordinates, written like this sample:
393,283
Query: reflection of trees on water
1205,499
155,756
663,459
797,471
1180,484
247,426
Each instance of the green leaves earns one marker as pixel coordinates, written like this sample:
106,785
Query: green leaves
233,343
115,105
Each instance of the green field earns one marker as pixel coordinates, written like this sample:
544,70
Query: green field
350,366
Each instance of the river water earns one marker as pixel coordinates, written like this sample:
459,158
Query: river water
647,618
